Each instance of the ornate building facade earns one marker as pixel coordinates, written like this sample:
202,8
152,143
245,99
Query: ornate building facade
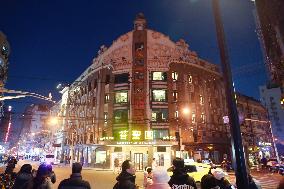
146,96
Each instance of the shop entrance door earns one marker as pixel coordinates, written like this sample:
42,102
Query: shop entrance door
138,161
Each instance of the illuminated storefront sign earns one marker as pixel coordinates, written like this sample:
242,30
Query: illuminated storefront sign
123,134
149,135
136,143
264,144
107,138
136,135
169,138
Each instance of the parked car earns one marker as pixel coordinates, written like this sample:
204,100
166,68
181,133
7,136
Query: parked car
273,165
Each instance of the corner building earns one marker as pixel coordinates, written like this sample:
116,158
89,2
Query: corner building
146,96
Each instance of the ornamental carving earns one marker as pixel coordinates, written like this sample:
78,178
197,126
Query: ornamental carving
124,38
120,58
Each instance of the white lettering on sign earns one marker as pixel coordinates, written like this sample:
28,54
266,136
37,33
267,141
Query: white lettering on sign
184,186
264,143
123,134
136,135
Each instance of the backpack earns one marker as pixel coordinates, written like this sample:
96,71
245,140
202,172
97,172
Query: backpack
116,186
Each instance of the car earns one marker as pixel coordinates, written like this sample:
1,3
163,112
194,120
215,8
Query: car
273,165
195,170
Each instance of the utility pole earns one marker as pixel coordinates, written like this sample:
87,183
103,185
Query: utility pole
237,146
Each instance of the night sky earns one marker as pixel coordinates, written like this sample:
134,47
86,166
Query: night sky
55,41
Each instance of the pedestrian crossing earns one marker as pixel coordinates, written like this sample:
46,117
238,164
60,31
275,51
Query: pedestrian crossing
266,181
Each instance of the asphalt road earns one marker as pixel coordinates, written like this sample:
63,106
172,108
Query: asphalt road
105,179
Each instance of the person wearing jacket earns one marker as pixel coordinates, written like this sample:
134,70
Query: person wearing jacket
23,176
180,179
148,176
209,182
160,179
222,182
75,181
126,179
42,180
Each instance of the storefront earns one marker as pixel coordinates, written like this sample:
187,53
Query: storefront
140,153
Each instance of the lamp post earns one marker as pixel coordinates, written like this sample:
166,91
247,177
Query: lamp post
237,146
185,112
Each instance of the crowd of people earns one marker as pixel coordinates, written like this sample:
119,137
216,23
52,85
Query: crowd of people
155,177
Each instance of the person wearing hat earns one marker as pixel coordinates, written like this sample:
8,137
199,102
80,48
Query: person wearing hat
41,180
75,181
180,178
219,175
160,179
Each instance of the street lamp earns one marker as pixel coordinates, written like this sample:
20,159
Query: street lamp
185,112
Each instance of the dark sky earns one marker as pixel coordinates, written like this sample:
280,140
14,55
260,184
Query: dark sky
54,41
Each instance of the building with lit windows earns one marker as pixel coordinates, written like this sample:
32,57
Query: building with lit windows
146,97
255,129
270,28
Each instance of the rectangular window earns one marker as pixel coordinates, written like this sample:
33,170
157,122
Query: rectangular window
160,133
121,97
189,78
159,95
159,115
120,116
174,76
159,76
175,95
106,98
193,118
121,78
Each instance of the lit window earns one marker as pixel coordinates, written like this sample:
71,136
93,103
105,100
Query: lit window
121,97
159,115
105,116
174,76
106,98
189,78
193,117
120,116
159,76
202,117
175,95
160,133
176,114
201,100
159,95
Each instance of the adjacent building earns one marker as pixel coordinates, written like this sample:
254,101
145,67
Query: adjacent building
35,134
270,29
255,129
146,97
4,58
270,99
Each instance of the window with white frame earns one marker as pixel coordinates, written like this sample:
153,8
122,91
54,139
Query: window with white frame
159,115
121,97
176,114
174,76
175,95
159,76
159,95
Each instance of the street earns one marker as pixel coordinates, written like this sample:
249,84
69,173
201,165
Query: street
106,178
